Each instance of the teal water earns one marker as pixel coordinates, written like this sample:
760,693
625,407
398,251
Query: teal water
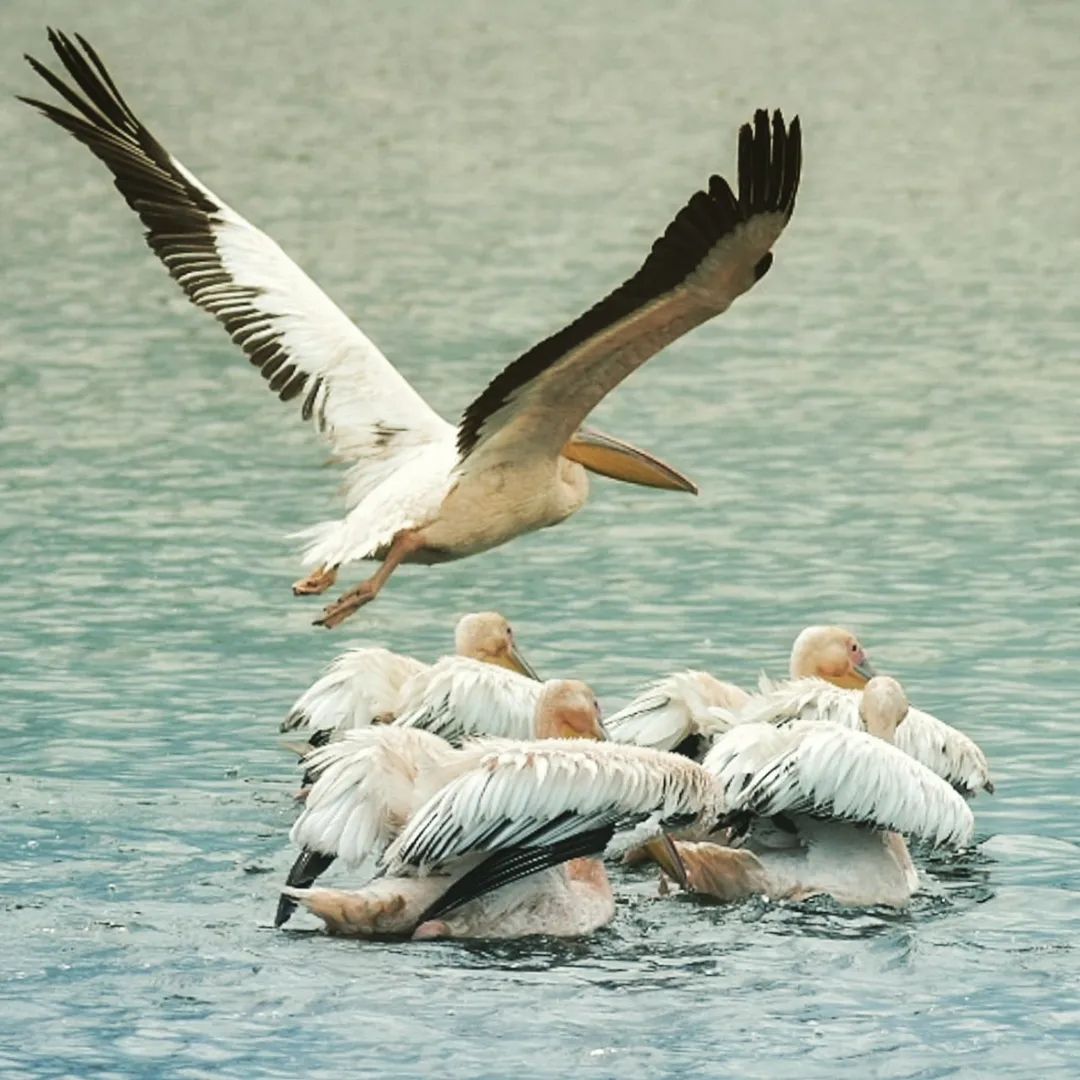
884,434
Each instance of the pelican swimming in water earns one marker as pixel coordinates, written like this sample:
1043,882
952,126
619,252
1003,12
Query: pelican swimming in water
373,685
420,489
819,809
677,712
494,839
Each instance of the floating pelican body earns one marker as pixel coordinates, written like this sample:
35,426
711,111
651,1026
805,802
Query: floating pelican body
819,809
489,840
372,685
677,712
420,489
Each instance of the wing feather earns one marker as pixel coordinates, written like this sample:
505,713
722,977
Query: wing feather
714,250
357,688
459,698
289,329
833,772
943,749
504,801
673,709
367,786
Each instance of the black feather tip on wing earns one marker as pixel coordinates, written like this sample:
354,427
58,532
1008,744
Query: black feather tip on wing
179,217
504,867
308,866
770,161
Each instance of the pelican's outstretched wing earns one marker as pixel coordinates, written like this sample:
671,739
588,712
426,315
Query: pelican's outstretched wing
716,248
459,698
298,338
943,749
830,771
533,806
675,709
946,751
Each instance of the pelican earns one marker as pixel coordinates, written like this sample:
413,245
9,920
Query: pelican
495,839
677,711
822,808
418,488
373,685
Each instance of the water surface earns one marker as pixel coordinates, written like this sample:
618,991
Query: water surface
884,434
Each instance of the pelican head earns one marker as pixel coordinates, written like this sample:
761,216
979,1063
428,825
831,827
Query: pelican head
487,636
883,707
568,709
831,653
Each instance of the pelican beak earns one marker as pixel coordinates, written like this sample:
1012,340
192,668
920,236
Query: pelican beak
517,662
865,670
608,456
664,852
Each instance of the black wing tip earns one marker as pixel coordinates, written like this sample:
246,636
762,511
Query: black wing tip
286,905
769,163
308,866
507,866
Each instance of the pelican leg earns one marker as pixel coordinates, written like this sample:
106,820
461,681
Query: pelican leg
316,582
405,543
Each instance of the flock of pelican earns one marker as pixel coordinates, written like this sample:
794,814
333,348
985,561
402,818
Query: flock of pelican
478,800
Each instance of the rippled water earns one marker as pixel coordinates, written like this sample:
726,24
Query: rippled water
885,434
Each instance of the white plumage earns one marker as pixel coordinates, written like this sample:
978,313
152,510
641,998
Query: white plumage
818,808
678,710
418,488
673,709
542,793
943,749
459,698
497,837
373,685
360,687
370,783
823,769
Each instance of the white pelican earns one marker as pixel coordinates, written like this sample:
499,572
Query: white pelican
675,712
822,807
490,840
420,489
373,685
944,750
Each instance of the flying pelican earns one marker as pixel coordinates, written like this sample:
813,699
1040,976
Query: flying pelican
373,685
822,808
677,711
420,489
489,840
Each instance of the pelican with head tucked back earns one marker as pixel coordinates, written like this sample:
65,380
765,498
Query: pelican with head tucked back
420,489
